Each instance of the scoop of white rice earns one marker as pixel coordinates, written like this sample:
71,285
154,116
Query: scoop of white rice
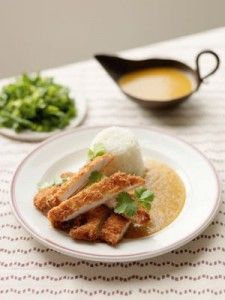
123,144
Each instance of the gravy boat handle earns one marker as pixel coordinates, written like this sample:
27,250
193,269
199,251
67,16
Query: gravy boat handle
201,78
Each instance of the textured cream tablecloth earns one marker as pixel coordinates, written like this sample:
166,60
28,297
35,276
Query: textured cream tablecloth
29,270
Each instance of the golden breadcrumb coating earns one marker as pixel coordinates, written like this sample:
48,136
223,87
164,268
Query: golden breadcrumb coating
94,220
45,199
80,179
48,198
93,196
114,229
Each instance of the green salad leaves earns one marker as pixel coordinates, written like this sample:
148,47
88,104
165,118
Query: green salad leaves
35,103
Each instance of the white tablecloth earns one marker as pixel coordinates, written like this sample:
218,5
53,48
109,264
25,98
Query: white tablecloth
29,270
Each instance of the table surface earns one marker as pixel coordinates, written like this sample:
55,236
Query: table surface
29,270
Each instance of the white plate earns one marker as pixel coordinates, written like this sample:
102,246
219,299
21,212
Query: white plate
32,136
67,152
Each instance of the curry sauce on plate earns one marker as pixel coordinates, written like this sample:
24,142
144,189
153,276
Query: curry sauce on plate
169,198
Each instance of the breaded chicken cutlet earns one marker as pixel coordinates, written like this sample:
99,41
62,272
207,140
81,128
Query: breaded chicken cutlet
91,229
114,229
80,179
83,215
93,196
53,196
45,199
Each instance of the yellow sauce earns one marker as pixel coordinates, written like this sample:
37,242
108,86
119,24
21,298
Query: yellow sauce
160,84
169,199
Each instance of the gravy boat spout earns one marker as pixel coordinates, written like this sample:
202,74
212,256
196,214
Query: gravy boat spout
114,66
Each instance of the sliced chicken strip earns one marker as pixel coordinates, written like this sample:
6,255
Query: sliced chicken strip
94,220
46,199
93,196
114,229
80,179
141,217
